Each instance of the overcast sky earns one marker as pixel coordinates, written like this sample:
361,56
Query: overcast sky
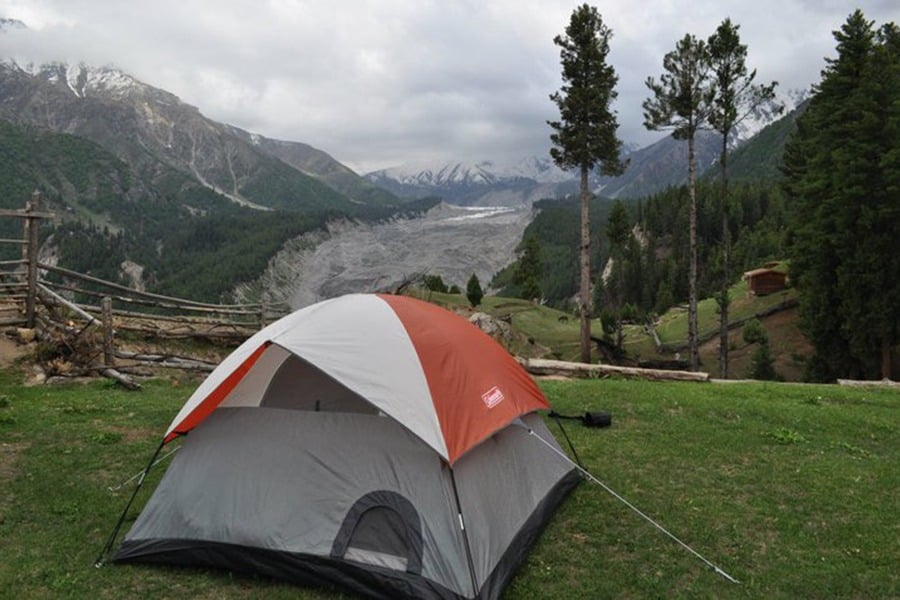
384,82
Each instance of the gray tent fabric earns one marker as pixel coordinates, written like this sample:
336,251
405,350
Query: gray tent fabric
289,482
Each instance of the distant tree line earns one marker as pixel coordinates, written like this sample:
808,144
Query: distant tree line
649,245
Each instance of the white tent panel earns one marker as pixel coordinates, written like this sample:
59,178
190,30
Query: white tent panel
236,359
250,390
360,342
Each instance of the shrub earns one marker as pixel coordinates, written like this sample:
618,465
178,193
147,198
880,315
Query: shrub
754,333
473,290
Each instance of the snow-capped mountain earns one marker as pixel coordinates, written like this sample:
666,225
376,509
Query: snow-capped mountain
147,127
8,24
482,183
486,172
83,80
522,181
785,102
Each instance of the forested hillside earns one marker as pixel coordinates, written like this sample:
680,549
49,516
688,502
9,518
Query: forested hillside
654,262
190,241
761,158
556,229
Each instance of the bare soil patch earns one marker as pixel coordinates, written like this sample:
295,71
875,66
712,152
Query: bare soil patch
10,351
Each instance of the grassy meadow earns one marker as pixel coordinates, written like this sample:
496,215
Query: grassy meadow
544,332
791,489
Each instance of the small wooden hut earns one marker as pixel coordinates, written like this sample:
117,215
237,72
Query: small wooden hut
765,280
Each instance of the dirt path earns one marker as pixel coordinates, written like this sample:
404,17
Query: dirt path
10,350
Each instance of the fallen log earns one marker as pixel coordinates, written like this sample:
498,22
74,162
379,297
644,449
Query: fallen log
170,359
862,383
125,380
540,366
175,365
166,361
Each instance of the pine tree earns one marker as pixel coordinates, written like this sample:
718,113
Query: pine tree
682,101
528,269
842,169
474,293
736,97
762,363
585,135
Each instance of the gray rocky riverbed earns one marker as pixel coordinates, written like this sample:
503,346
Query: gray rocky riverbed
450,241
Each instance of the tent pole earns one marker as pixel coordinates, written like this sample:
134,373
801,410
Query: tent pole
618,497
115,532
462,527
568,441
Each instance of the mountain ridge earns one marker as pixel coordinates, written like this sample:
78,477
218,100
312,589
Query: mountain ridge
143,124
524,180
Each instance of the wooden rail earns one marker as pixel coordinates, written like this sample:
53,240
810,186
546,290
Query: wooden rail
50,307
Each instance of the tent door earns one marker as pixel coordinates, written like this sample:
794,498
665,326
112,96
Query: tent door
382,529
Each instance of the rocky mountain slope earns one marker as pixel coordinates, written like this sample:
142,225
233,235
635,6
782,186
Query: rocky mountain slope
136,176
150,129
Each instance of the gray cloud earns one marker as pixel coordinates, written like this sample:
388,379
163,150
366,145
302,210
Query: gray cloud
380,83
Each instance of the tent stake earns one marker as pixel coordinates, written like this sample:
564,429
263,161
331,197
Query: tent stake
115,532
613,493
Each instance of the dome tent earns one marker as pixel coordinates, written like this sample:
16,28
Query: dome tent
377,442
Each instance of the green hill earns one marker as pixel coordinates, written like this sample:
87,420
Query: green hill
191,241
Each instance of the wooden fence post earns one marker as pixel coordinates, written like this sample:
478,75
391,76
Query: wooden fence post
31,255
106,317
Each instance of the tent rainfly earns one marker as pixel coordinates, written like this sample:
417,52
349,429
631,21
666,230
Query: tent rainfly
376,442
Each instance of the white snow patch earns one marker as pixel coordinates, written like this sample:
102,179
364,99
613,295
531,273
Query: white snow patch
110,80
72,79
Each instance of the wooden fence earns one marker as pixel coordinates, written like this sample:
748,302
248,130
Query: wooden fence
20,276
59,302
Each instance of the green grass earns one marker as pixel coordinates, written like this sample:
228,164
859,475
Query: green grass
792,489
673,325
541,328
549,333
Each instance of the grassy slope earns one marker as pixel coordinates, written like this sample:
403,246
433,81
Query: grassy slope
792,489
556,333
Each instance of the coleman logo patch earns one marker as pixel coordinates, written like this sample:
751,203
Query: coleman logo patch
492,397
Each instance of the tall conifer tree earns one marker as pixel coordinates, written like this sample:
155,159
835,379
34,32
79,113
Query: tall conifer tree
682,101
842,172
736,97
585,136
